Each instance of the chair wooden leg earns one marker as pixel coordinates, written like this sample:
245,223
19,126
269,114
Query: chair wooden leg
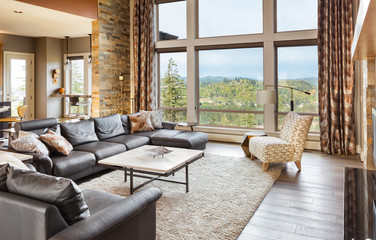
252,157
265,166
298,165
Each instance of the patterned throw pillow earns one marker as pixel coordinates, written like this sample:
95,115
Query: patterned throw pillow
156,118
141,123
29,142
57,142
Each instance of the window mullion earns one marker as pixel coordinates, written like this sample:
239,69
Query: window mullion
192,94
269,63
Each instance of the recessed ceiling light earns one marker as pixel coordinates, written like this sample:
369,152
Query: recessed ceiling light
18,11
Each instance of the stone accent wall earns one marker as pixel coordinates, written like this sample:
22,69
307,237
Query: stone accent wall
368,102
111,58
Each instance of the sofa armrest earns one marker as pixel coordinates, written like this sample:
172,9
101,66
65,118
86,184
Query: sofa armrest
42,163
28,218
131,218
169,125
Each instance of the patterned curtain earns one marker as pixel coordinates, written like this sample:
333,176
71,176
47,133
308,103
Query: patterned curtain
143,41
336,79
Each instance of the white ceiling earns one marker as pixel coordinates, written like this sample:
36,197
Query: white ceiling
35,21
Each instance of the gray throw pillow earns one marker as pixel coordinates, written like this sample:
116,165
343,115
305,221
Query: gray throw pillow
79,132
62,192
107,127
156,118
3,177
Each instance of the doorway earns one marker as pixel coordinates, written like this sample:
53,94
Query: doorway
19,82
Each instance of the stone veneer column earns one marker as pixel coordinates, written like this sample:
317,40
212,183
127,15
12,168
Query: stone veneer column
368,102
111,58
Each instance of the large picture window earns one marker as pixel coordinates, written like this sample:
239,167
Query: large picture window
228,87
293,15
298,68
223,18
221,52
172,21
173,86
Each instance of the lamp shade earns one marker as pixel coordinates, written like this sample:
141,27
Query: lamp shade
265,96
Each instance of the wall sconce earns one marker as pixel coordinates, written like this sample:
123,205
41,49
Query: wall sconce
55,76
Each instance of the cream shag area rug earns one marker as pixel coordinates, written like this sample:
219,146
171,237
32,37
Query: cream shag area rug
224,192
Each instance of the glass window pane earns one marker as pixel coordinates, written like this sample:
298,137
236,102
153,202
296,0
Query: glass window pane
296,15
228,80
298,68
172,20
18,84
77,76
229,119
173,84
223,17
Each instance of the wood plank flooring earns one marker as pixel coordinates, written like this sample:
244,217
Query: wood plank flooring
306,205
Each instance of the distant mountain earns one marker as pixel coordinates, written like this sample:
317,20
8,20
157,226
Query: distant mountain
216,79
311,80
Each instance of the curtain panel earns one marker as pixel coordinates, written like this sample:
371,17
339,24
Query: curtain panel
336,77
144,43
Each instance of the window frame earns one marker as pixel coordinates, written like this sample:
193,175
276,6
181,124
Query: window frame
290,44
159,80
87,82
270,39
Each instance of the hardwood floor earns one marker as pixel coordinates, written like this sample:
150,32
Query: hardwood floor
305,205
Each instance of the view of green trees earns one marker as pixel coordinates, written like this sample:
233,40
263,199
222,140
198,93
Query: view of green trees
77,83
238,93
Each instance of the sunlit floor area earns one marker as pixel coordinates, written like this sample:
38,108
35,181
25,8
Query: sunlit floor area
305,205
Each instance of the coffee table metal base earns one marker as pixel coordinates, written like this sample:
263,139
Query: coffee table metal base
153,176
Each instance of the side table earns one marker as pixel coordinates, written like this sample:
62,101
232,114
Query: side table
188,124
245,141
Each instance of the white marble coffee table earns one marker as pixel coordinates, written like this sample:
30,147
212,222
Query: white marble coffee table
152,168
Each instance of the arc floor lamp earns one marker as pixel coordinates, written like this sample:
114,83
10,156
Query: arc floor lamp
268,96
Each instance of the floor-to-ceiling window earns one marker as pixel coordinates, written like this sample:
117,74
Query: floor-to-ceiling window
214,55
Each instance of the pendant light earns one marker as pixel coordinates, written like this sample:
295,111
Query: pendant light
89,64
67,64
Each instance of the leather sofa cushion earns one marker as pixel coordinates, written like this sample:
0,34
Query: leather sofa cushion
148,134
130,141
79,132
102,150
126,124
99,200
76,161
165,135
107,127
38,126
191,140
3,177
62,192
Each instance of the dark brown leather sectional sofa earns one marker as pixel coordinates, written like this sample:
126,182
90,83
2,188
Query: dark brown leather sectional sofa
99,138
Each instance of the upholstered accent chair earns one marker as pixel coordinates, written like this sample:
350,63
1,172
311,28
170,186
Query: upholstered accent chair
288,147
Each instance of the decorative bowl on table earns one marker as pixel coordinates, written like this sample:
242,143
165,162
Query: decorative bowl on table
158,151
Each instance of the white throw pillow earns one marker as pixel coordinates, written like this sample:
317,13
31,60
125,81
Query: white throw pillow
13,161
156,118
29,142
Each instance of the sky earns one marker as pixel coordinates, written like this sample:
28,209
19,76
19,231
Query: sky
242,17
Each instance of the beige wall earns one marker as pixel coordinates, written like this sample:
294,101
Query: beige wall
77,45
49,57
40,76
15,43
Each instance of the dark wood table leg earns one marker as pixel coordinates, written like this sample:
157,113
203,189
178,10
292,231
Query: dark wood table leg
186,179
125,175
131,177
